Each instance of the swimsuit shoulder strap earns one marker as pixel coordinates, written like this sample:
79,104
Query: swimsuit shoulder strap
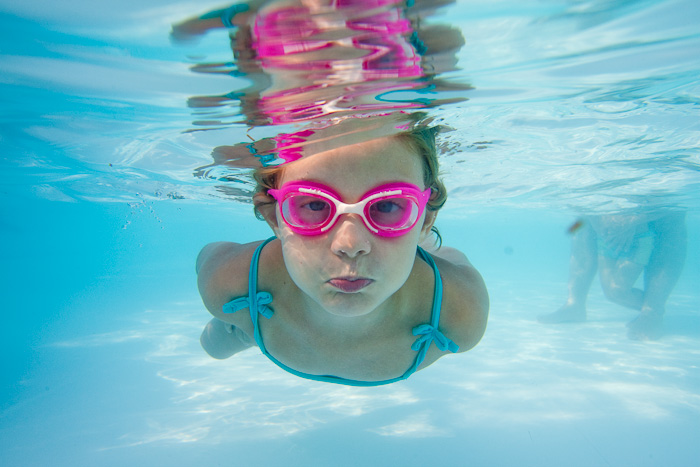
259,301
256,302
430,332
437,290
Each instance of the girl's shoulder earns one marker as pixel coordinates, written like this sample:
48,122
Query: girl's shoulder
223,270
465,301
222,258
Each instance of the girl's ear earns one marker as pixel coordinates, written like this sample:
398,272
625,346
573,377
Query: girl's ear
266,206
430,217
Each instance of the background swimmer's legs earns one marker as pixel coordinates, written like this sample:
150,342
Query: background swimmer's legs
617,278
222,340
660,276
582,269
666,262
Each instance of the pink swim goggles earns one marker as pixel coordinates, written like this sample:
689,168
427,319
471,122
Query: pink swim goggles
389,210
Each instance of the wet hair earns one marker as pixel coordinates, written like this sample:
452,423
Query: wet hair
419,139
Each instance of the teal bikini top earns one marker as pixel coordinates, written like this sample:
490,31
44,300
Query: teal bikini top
259,304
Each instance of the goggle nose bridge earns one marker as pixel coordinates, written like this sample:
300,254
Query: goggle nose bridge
355,208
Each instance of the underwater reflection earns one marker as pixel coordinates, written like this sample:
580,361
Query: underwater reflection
310,61
620,247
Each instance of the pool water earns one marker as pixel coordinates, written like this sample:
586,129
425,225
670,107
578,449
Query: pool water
577,107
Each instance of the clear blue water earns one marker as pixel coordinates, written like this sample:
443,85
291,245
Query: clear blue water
577,107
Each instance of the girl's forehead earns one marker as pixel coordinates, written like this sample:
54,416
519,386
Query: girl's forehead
366,164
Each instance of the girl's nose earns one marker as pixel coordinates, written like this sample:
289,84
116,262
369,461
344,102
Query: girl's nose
350,237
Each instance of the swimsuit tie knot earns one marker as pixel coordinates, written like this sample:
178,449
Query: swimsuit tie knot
429,334
263,299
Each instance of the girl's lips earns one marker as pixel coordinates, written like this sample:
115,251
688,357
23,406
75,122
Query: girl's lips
349,284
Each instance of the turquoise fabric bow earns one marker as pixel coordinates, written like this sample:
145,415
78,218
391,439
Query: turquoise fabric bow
263,299
429,334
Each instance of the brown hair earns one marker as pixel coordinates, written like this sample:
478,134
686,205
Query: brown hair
420,139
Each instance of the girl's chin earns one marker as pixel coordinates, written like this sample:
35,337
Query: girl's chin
349,305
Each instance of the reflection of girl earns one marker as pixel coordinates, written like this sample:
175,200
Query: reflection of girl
345,293
310,60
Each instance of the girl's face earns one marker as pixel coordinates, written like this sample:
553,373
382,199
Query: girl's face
348,270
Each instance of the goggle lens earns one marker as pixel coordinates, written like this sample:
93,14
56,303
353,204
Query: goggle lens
394,213
306,212
389,210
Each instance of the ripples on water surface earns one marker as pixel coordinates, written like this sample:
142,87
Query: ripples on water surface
586,105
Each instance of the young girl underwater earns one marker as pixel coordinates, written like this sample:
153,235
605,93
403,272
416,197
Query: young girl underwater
343,293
